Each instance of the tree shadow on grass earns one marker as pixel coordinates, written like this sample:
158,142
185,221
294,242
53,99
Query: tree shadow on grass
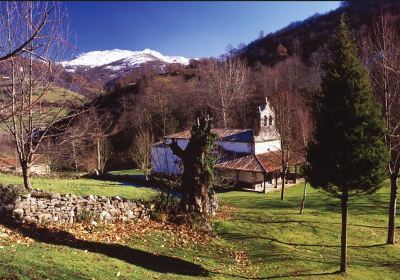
271,239
302,222
291,276
150,261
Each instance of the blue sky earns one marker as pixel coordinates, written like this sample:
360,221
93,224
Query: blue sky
191,29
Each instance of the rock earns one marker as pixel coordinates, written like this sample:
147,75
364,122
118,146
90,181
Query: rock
130,215
55,196
105,216
146,217
29,220
104,199
44,218
25,196
18,213
121,205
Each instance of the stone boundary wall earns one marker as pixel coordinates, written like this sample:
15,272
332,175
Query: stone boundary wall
43,207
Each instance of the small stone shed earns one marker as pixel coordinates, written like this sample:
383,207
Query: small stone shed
259,171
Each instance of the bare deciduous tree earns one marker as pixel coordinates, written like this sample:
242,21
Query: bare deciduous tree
141,149
293,134
101,127
381,49
225,82
305,129
34,71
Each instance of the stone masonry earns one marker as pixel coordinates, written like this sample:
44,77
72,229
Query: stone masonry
43,207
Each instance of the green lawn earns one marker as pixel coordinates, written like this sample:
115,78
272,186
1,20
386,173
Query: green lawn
264,238
83,186
127,172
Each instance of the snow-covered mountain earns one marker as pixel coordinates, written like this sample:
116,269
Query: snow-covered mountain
104,67
117,60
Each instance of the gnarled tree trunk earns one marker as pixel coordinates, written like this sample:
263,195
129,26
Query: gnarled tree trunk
197,167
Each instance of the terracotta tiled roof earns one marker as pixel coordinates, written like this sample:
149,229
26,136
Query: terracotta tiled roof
247,163
232,135
260,163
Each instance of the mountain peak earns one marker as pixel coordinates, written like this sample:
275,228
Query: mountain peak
126,57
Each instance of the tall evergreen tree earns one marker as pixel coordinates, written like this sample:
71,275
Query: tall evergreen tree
349,156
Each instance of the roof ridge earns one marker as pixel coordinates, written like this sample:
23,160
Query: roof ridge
262,165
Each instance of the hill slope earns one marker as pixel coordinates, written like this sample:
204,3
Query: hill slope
312,35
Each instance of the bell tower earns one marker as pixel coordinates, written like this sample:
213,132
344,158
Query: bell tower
266,126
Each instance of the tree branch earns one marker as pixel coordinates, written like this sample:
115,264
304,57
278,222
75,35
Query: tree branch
23,45
176,149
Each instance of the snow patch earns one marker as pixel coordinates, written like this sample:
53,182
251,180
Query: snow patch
121,59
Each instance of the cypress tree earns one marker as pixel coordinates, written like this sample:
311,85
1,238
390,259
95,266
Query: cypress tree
348,157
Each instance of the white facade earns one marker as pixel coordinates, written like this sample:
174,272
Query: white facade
164,161
250,177
267,146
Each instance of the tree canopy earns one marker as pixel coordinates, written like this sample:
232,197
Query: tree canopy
349,152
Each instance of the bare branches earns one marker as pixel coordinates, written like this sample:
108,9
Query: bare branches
35,32
381,49
141,149
225,82
176,149
24,44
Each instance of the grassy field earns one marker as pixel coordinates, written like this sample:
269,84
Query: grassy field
59,95
127,172
83,186
262,238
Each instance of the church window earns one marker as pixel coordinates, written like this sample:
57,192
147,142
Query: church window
270,120
265,120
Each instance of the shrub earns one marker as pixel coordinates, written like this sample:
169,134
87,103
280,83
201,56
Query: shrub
86,216
9,193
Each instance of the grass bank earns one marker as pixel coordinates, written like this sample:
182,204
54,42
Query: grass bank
83,186
260,237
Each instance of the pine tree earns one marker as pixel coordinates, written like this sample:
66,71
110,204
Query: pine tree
348,157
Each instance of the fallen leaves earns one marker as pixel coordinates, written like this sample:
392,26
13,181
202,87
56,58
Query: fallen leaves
172,235
8,236
224,213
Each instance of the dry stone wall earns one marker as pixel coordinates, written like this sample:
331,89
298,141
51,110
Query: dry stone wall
43,207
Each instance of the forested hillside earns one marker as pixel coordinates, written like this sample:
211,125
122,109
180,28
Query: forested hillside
287,61
309,38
